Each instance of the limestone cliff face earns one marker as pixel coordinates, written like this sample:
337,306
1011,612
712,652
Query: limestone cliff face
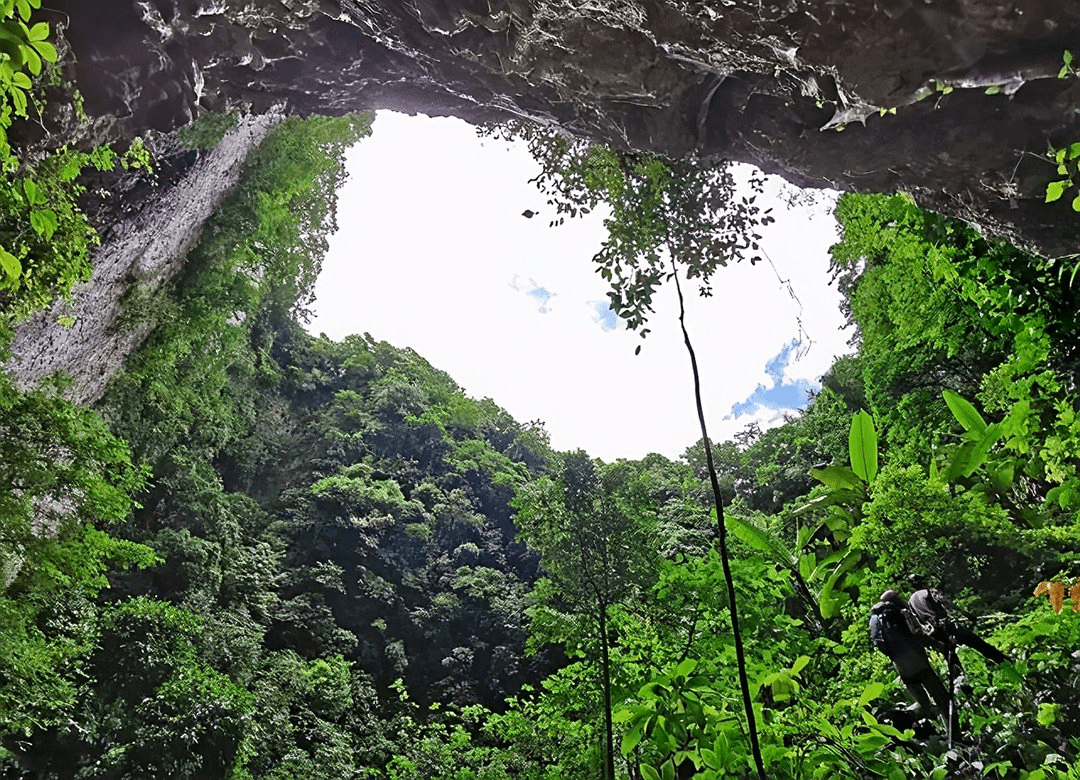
796,87
142,250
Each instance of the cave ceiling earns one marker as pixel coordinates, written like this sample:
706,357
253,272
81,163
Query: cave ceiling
954,102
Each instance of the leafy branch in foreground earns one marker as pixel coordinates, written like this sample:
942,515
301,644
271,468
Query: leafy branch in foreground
45,238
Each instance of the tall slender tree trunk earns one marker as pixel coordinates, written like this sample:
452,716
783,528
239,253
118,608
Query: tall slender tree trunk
721,542
605,665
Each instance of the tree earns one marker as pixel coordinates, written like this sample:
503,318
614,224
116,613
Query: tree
63,478
595,529
688,212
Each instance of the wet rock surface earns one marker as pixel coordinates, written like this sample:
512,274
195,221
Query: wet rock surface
797,87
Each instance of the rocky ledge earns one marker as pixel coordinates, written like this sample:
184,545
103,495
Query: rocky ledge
955,101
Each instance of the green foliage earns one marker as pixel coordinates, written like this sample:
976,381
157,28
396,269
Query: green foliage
863,447
1066,159
325,577
593,527
941,309
689,209
62,477
45,239
914,527
23,49
206,131
1066,64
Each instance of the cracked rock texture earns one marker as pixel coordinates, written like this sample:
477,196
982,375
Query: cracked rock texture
141,251
795,87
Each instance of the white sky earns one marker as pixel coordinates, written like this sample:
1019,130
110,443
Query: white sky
433,253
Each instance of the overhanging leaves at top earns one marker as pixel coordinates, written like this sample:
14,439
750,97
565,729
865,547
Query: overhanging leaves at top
691,209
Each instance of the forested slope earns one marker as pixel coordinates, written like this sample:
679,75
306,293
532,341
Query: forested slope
268,555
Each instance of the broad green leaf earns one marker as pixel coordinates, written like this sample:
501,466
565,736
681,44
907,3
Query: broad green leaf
667,770
38,32
1003,476
10,265
838,496
828,603
44,222
862,447
648,690
33,59
46,50
33,192
836,477
749,534
782,689
686,667
800,664
1076,207
1056,189
760,539
965,414
960,461
661,738
721,746
24,9
871,692
631,739
847,563
18,99
982,448
815,503
711,759
20,79
649,773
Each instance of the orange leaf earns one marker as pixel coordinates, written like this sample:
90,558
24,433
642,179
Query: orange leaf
1074,594
1041,588
1057,595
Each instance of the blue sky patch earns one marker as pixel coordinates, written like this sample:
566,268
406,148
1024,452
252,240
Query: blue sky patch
604,316
784,395
537,292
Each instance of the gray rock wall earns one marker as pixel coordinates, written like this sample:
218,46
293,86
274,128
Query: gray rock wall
796,87
144,250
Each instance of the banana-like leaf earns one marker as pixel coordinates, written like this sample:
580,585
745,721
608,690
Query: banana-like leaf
863,447
761,540
837,477
982,448
966,414
841,496
1002,478
959,461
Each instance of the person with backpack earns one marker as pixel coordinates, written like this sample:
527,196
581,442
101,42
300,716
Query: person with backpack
930,610
892,634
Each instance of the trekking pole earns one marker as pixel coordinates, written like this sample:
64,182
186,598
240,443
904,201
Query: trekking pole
951,663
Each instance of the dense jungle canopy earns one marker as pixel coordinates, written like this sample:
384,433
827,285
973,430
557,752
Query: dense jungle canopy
234,550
